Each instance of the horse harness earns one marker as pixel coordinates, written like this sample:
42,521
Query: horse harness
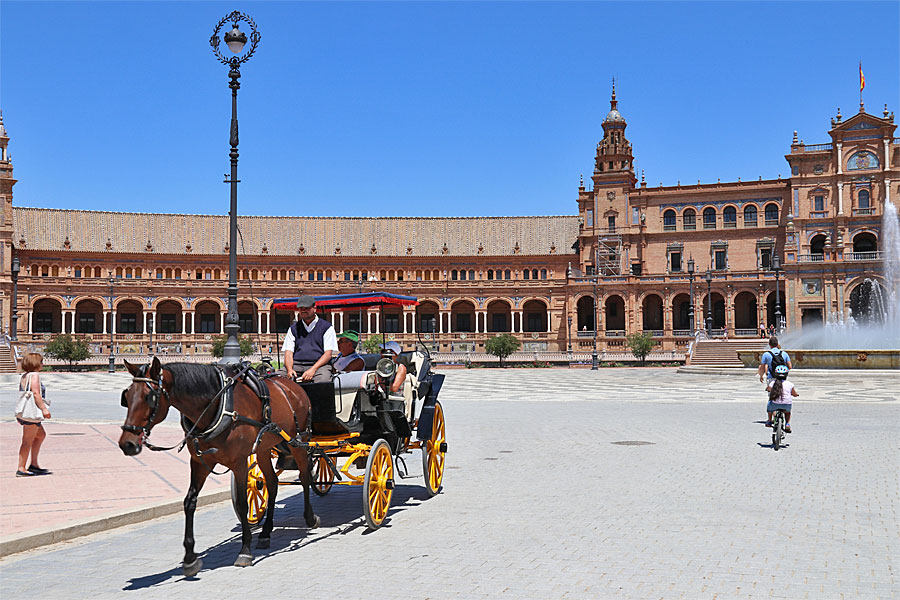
225,417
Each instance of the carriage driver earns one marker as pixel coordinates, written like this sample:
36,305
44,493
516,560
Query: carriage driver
311,346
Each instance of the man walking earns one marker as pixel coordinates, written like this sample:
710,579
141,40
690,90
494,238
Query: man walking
309,344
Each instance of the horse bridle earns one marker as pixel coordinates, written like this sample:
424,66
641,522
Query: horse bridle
152,399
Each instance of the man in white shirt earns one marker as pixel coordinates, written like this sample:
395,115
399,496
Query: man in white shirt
309,344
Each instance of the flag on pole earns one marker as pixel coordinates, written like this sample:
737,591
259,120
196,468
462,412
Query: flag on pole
862,78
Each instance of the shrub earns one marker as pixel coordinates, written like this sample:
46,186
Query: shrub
501,346
218,345
640,344
65,347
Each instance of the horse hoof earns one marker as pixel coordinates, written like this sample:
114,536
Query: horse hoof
243,560
315,522
193,568
263,542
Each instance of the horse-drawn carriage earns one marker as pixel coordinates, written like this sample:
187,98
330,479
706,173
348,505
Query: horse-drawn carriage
242,419
364,424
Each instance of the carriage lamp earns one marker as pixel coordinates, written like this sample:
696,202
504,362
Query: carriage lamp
14,310
709,278
235,40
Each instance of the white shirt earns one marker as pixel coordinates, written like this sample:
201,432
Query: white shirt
329,342
786,398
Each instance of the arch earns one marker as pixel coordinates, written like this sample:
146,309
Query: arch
717,305
499,316
584,308
862,161
207,316
681,312
750,215
868,301
169,315
746,311
729,216
865,242
534,315
129,315
652,312
462,315
117,300
248,316
689,218
46,315
669,220
817,244
614,312
429,311
770,306
88,315
863,199
709,218
771,213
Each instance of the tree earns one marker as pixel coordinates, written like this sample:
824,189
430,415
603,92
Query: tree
218,345
640,344
501,346
372,344
65,347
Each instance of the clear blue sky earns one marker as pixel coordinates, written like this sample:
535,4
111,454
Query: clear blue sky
443,109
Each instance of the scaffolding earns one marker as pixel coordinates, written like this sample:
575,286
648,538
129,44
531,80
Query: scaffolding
608,256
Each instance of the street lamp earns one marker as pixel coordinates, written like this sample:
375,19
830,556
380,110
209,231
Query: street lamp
112,325
569,334
14,334
709,278
595,362
776,266
235,40
691,307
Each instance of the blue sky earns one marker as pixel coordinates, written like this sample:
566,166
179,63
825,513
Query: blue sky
420,109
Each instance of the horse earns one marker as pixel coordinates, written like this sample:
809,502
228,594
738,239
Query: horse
190,389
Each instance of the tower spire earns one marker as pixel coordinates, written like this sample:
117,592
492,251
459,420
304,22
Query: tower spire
613,103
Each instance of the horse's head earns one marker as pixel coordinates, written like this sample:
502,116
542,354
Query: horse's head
147,401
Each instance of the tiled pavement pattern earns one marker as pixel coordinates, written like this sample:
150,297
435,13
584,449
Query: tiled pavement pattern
540,502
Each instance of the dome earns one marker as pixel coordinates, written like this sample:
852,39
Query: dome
614,116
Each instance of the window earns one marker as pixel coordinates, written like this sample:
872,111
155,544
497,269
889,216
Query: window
471,275
463,322
77,272
43,322
771,214
166,323
207,275
543,273
795,170
675,262
589,218
490,274
669,220
310,276
346,275
127,323
765,258
818,203
750,216
392,323
525,274
534,321
427,322
353,322
729,217
292,275
454,275
159,274
613,309
611,223
721,260
208,323
534,273
245,320
689,219
709,218
507,274
862,199
87,323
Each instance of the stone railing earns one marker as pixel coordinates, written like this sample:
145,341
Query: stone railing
859,256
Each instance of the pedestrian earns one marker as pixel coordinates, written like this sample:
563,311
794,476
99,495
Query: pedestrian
31,409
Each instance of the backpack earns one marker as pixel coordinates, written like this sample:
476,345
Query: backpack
777,360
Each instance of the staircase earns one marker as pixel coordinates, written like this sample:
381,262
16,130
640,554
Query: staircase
721,353
7,362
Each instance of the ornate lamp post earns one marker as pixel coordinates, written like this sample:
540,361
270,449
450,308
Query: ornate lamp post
569,334
14,333
112,326
595,362
776,266
691,307
235,40
709,278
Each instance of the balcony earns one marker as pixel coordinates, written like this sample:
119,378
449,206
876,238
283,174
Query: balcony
811,258
861,212
862,256
814,148
818,214
771,222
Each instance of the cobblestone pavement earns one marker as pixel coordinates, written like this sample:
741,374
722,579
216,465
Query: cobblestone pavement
541,501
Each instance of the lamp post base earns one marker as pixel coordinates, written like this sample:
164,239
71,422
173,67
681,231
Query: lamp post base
112,363
595,363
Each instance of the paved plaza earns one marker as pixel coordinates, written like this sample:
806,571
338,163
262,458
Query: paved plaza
619,483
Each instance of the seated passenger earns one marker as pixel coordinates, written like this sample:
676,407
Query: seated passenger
348,358
393,349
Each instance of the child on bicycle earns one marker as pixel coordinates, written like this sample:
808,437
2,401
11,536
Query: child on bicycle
781,397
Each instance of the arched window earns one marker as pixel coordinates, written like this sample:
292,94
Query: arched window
771,214
525,274
817,244
543,273
729,217
669,220
454,275
471,274
750,215
862,198
862,160
689,218
507,274
490,274
709,218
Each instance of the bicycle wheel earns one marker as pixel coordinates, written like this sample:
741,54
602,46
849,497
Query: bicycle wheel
779,430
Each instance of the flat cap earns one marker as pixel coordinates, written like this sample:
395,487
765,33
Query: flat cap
306,302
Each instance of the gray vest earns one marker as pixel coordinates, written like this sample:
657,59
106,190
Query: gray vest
309,346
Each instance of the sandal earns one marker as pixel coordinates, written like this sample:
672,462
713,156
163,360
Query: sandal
787,428
768,423
24,474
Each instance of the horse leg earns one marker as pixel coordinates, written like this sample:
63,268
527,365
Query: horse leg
245,557
192,563
301,455
265,465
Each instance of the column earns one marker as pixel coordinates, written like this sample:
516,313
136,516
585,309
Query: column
222,320
31,322
413,323
887,156
887,187
105,314
112,321
440,321
184,318
404,315
341,320
449,322
377,324
840,158
840,197
258,323
548,320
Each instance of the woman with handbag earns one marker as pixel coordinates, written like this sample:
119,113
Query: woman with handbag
31,409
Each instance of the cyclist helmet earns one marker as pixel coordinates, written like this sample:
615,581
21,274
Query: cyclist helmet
781,372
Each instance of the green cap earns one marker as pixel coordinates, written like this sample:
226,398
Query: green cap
351,335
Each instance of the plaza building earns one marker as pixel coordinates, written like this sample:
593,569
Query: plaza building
157,282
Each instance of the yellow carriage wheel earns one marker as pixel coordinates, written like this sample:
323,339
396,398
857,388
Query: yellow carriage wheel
433,452
378,485
257,492
322,476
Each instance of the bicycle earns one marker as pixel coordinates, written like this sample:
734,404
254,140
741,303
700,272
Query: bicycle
778,421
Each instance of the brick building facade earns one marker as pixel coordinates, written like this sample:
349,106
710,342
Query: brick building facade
97,274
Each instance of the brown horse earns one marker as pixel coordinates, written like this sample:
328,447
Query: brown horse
190,388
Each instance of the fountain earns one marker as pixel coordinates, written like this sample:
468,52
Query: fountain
869,337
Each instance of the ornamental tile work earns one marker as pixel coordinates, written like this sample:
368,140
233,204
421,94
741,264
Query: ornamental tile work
89,231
